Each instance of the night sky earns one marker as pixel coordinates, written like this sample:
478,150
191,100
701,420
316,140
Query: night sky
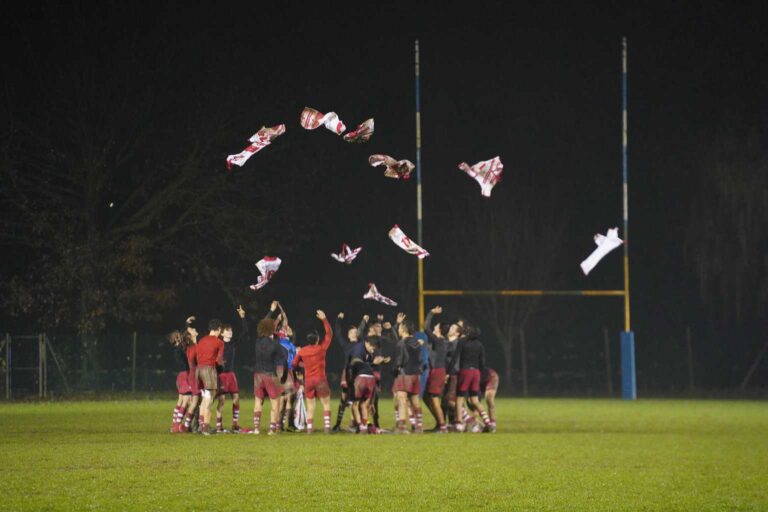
537,84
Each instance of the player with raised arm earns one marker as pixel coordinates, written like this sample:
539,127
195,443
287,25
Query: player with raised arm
227,377
179,342
289,387
408,365
312,356
437,362
346,343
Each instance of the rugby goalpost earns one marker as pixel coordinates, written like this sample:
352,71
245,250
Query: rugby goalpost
627,336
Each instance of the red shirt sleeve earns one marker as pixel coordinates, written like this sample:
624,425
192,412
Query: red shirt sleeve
296,360
328,334
220,355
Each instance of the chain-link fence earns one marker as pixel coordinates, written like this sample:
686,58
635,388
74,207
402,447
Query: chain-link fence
679,363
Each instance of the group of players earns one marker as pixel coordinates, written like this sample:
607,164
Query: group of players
452,356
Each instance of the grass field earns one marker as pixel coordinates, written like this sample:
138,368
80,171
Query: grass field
548,454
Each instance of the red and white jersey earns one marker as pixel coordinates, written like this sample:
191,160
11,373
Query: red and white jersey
267,266
259,141
311,119
406,244
362,133
346,255
397,169
373,294
486,173
605,244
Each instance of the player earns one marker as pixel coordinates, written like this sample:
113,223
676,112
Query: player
190,335
209,354
364,383
346,342
289,387
448,404
437,360
269,355
489,384
315,381
179,342
227,377
408,365
470,358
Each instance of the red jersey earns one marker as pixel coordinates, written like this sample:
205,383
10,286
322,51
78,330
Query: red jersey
313,356
192,356
210,351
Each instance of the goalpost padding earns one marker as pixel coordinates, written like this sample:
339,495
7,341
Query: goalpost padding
628,383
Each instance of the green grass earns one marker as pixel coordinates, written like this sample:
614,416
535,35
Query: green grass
547,455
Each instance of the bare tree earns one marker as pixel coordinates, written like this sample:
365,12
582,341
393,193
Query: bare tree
727,232
506,244
114,189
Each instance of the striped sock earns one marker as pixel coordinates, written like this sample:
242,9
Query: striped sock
419,419
413,420
327,420
256,420
465,415
219,422
486,419
340,414
235,415
272,426
364,428
188,420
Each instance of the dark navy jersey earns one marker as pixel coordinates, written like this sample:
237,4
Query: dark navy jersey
469,354
269,354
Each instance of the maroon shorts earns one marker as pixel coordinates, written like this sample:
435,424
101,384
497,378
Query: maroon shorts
492,382
365,387
265,384
450,388
194,383
436,381
182,384
469,381
316,387
411,384
228,383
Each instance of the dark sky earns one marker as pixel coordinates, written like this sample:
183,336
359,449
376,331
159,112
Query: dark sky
537,84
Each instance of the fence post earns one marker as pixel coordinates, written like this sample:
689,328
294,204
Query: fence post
133,365
608,371
40,366
690,358
45,365
7,366
754,366
523,362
